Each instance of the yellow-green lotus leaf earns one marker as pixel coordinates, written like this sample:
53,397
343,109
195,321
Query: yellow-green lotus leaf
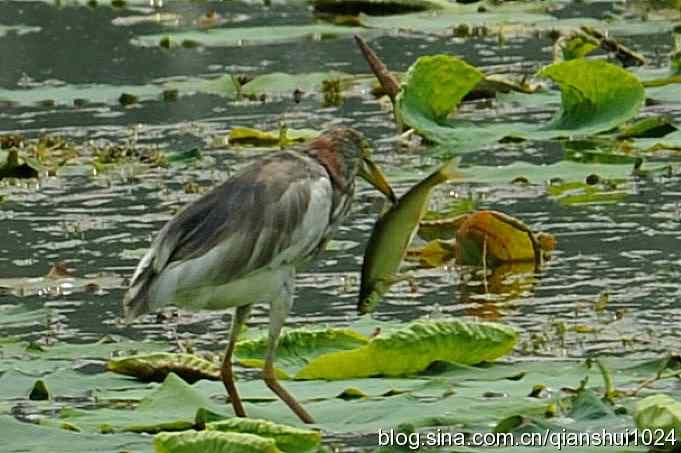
413,348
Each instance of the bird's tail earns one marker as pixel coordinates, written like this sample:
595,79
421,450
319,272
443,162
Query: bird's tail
136,300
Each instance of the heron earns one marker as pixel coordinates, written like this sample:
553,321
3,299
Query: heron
242,242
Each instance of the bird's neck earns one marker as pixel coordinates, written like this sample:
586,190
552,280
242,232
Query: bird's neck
322,150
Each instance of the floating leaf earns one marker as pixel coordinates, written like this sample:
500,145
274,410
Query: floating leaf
245,36
466,19
246,136
213,442
20,315
69,94
579,193
169,406
17,168
287,438
433,254
596,95
155,367
652,127
575,153
298,347
440,229
378,6
539,174
431,89
30,437
495,238
574,46
225,86
156,18
661,415
183,157
413,348
281,84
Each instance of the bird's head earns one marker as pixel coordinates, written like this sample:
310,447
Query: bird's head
346,153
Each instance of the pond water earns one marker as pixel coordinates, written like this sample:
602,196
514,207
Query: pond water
99,226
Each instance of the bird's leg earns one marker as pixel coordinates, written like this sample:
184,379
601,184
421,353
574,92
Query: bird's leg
240,315
278,311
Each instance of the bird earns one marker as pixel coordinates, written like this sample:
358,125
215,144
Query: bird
242,242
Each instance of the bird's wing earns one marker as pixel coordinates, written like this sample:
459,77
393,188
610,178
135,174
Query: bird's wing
273,213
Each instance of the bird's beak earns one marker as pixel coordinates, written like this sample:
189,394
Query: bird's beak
370,172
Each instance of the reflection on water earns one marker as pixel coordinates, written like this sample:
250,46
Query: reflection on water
99,226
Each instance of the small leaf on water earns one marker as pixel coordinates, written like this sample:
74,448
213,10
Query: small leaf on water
15,167
59,270
433,254
246,136
578,193
39,392
572,47
651,127
352,393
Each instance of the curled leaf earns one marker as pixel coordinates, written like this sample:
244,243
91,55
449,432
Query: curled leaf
297,347
413,348
287,438
156,367
212,441
432,88
496,238
596,95
660,412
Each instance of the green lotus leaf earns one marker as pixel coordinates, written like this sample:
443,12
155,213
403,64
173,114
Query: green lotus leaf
225,85
287,438
579,193
243,36
651,127
247,136
596,95
573,47
413,348
20,436
213,442
279,83
661,416
433,87
298,347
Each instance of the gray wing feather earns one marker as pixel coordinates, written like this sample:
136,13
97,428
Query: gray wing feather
259,215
